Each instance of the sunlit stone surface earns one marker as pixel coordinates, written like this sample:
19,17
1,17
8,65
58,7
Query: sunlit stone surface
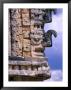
27,41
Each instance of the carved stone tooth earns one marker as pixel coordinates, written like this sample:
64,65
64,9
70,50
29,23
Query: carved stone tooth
16,67
39,69
43,68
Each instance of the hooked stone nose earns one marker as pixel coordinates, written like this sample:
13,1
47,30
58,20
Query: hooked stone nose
48,38
51,32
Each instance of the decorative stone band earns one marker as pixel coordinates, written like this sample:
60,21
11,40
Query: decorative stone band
28,58
37,11
27,63
30,72
29,68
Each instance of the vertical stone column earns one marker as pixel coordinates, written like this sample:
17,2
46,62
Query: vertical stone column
16,32
20,32
26,32
37,33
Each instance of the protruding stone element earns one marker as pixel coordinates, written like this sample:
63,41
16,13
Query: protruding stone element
30,69
47,41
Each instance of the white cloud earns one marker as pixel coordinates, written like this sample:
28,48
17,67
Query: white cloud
56,75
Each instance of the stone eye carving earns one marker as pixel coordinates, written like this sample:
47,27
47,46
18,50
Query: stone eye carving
47,41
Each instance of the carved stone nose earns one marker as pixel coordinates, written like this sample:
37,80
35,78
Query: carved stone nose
48,38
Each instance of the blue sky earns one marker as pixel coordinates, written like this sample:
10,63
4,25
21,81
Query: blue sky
54,53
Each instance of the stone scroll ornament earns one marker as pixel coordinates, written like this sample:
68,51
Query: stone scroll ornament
27,42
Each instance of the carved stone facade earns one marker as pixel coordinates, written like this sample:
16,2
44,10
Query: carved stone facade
27,42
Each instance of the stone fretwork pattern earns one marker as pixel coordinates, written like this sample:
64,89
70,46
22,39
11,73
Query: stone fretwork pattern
27,41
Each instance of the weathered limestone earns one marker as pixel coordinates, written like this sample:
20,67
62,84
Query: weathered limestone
27,44
29,71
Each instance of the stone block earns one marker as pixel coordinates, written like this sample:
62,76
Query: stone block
25,11
26,54
16,23
15,13
26,34
26,45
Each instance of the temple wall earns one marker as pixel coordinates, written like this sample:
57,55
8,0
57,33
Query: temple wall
20,29
26,35
22,23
